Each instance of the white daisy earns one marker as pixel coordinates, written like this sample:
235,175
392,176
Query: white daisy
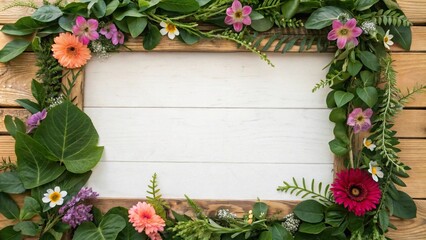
169,29
54,197
369,144
375,171
387,40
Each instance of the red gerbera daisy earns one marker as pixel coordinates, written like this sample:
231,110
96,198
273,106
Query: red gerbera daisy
356,190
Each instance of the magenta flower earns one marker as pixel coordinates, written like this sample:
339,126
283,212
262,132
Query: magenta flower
109,30
34,120
360,120
237,15
85,30
345,33
117,38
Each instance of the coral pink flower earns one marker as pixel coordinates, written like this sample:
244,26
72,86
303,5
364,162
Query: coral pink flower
237,15
69,51
356,190
85,30
109,30
345,33
154,236
360,120
143,217
117,38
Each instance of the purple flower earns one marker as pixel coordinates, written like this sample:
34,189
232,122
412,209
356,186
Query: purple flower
117,38
109,30
85,30
345,33
34,120
237,15
77,215
360,120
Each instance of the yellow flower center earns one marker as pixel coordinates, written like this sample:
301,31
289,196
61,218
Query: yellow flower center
344,32
368,142
55,196
373,170
238,14
171,28
386,39
71,50
360,118
355,192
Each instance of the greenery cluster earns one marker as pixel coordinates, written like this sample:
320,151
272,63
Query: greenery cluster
63,149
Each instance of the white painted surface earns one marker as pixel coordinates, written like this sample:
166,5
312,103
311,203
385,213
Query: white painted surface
216,126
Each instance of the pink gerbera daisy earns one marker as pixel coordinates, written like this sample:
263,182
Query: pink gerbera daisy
360,120
237,15
144,218
85,30
345,33
356,190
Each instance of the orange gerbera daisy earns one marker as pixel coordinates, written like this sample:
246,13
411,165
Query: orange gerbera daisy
69,51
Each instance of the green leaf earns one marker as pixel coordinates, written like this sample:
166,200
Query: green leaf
369,95
255,15
370,60
69,134
311,228
188,37
262,25
338,147
179,6
330,99
14,125
47,13
355,223
39,92
338,115
341,98
22,27
11,183
30,209
13,49
8,207
335,215
32,107
362,5
323,17
111,7
66,23
136,25
309,211
368,78
152,38
129,231
121,14
289,8
48,236
354,67
26,228
203,2
279,232
99,8
341,133
265,235
8,233
384,219
108,229
404,207
402,35
35,167
260,210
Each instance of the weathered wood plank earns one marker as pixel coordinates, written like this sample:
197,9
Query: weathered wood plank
13,14
7,148
414,9
413,229
14,112
411,123
15,79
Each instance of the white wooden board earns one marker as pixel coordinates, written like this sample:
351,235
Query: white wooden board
216,126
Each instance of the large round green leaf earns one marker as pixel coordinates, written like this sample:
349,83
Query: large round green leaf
108,229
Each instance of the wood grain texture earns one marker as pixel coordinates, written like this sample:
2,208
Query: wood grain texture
14,112
414,9
77,92
15,79
7,148
13,14
411,71
413,153
411,124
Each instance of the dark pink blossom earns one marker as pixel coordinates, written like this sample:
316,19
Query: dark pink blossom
345,33
109,30
237,15
85,30
117,38
360,120
34,120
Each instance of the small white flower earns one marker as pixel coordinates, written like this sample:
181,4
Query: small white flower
375,171
54,197
387,40
169,29
369,144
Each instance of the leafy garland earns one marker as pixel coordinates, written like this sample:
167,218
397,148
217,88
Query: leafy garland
57,146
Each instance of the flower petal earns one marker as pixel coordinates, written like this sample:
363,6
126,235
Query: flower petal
337,24
246,20
246,10
171,35
368,112
229,12
176,32
93,24
236,5
57,189
163,31
356,32
79,21
229,20
45,199
63,193
341,42
52,204
351,23
163,24
332,35
238,26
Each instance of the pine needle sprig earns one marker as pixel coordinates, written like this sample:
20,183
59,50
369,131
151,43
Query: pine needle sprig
6,164
404,99
197,209
319,193
331,78
155,198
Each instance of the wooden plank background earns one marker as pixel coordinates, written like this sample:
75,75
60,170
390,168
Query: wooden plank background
15,78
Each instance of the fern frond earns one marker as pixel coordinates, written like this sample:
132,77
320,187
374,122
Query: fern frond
330,79
19,3
6,164
318,193
390,18
155,198
197,210
268,4
410,93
